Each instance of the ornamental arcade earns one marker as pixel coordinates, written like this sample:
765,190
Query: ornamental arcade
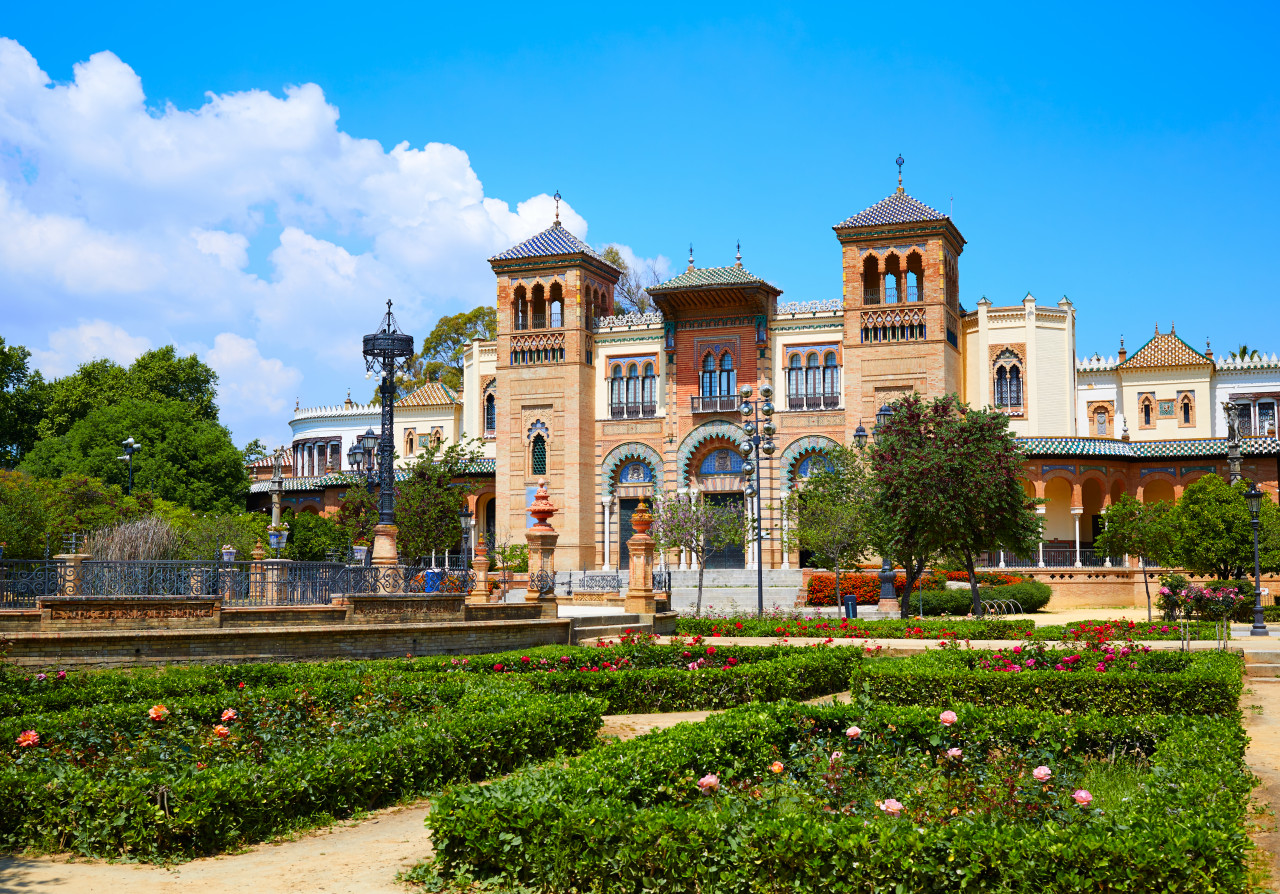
610,407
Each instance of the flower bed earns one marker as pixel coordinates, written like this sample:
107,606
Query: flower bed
1085,631
799,627
795,798
1157,683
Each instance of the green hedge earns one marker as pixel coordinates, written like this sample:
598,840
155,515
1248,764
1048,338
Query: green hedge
627,818
1032,595
840,628
109,782
1164,682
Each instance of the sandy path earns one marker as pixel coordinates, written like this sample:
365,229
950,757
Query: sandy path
1263,756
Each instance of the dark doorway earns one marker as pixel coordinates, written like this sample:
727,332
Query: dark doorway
491,520
733,556
626,507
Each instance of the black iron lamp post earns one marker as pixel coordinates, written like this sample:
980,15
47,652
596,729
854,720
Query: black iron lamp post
759,440
130,447
385,352
887,575
1253,496
464,519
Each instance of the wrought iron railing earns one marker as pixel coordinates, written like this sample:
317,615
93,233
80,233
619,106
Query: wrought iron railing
1053,557
818,401
23,582
662,582
620,410
718,404
599,583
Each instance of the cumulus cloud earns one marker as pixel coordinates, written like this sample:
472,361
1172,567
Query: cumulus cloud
253,215
91,340
257,387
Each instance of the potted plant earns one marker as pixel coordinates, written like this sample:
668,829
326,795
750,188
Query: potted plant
228,552
360,549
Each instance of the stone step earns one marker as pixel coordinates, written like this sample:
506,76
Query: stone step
1263,670
625,620
1252,656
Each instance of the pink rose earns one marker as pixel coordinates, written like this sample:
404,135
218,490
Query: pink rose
1082,797
954,753
28,739
947,718
709,783
891,806
221,731
836,755
1042,774
853,732
229,715
1017,650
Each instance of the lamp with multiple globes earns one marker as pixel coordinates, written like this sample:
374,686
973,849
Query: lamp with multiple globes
758,429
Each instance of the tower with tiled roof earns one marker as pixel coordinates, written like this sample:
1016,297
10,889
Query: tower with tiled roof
551,287
901,263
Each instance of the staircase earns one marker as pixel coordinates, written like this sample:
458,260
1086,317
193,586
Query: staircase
1261,665
607,626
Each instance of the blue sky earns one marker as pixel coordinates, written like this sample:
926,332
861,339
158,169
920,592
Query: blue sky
1124,157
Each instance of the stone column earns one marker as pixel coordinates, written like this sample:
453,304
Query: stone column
640,598
542,548
258,573
480,565
1076,512
69,573
1040,511
385,556
606,503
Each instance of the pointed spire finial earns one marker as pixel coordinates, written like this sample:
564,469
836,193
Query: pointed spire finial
738,257
1157,327
1173,327
899,162
557,198
690,268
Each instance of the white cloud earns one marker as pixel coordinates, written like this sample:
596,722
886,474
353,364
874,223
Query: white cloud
659,266
253,216
91,340
248,383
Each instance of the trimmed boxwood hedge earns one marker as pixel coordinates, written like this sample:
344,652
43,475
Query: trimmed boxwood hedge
618,819
840,628
1164,682
1031,595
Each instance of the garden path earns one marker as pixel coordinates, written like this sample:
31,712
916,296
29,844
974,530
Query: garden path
1260,703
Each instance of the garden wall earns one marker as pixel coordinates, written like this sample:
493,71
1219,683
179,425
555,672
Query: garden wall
231,645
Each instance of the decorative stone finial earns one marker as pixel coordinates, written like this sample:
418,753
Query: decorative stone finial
690,268
297,404
1173,328
542,509
738,257
557,198
642,518
899,163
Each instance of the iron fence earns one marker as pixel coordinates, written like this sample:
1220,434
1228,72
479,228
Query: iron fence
662,582
23,582
600,583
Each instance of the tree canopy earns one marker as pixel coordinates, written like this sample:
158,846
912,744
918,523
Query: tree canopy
23,393
631,294
1214,530
835,512
184,458
158,375
1145,530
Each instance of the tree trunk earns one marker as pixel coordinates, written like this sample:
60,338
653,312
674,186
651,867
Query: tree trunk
839,595
914,570
973,583
697,612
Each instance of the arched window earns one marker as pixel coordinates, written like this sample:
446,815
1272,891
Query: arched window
830,380
538,308
617,398
915,277
490,414
1186,412
1146,414
892,270
709,382
538,451
812,381
812,464
521,308
871,280
649,395
795,384
721,462
1102,423
633,390
408,443
728,377
556,308
635,473
1007,377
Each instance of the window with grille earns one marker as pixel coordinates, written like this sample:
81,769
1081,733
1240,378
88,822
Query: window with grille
490,413
539,452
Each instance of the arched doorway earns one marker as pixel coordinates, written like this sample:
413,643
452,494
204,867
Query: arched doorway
720,482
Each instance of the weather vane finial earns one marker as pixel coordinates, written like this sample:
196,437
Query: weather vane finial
557,198
899,162
691,256
738,257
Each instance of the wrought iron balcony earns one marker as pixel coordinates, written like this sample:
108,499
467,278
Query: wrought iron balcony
725,403
812,401
632,410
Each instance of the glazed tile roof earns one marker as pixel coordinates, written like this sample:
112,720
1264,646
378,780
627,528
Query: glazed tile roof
1216,447
709,278
1165,350
484,466
896,209
432,394
554,240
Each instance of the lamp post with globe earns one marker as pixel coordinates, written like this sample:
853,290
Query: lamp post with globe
385,352
1253,497
759,440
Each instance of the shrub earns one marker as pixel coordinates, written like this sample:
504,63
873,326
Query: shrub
1031,595
840,628
821,591
1162,683
634,817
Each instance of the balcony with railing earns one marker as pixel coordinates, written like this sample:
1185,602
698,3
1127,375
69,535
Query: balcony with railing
813,401
870,297
633,410
722,403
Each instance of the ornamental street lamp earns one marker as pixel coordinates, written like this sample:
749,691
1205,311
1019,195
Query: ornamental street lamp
1253,496
759,440
385,351
887,576
464,519
130,448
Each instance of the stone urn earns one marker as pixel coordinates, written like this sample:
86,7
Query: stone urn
542,509
642,518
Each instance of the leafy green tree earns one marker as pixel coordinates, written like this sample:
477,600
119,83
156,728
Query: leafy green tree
23,515
1138,529
427,503
184,458
357,514
631,294
22,397
79,504
254,451
697,526
1214,530
158,375
313,537
834,512
950,480
440,359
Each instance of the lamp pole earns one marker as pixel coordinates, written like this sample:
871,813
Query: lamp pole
1253,497
385,351
887,576
130,448
759,439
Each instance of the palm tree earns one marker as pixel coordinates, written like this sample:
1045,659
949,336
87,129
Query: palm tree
1244,353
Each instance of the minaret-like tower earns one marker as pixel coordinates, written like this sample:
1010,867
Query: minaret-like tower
551,288
901,262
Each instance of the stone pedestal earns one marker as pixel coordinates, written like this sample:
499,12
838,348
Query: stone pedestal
480,591
542,549
640,598
69,580
385,555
